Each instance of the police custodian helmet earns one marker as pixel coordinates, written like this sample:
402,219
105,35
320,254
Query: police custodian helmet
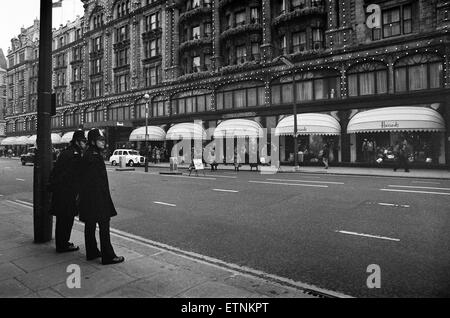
95,134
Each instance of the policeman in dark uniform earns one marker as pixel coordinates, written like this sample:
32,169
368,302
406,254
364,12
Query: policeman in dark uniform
96,205
65,187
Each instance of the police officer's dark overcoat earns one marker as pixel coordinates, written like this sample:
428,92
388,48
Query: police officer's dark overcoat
96,204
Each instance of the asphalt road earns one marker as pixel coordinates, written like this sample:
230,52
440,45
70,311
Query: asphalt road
322,230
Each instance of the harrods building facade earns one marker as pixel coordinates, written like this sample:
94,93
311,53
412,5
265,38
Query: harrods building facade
218,61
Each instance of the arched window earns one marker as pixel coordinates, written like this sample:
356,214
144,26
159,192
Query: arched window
242,95
20,125
367,79
97,18
308,86
76,118
56,121
100,114
159,107
421,71
10,127
89,115
68,119
119,112
196,101
122,8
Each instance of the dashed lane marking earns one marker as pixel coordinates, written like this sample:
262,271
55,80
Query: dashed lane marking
412,191
426,182
394,205
223,190
215,176
163,203
416,187
291,184
308,181
20,179
370,235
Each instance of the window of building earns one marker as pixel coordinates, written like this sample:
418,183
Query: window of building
207,30
152,48
247,94
395,21
123,57
422,71
317,39
122,33
196,66
152,75
207,62
192,102
96,89
255,50
309,86
240,18
367,79
283,45
241,54
122,83
299,42
196,32
96,66
298,4
120,112
159,107
100,114
122,8
254,15
89,114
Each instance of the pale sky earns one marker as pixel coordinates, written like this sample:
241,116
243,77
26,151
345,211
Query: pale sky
15,14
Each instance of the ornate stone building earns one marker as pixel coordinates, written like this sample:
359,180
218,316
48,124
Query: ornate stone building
219,60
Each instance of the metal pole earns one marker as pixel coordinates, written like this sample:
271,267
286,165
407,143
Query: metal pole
43,221
146,136
295,121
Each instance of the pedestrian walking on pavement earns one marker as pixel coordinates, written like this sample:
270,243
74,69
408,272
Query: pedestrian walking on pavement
64,184
325,155
401,150
96,205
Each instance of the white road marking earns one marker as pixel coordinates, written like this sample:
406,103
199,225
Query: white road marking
426,182
8,168
20,179
294,184
223,190
163,203
412,191
415,187
394,205
1,195
188,177
237,269
24,202
370,235
215,176
310,181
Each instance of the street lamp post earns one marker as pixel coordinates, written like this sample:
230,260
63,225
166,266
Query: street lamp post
146,97
294,105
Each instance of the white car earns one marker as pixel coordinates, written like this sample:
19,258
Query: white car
132,157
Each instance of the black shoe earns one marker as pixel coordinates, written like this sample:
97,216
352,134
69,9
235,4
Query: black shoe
70,248
115,260
406,170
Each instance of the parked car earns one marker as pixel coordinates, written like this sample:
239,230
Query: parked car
30,156
132,157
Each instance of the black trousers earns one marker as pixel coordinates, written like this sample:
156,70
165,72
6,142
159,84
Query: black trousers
402,162
63,229
106,249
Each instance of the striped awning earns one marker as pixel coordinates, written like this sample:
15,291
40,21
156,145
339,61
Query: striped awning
239,128
56,139
401,118
67,137
8,141
154,133
21,141
309,124
186,131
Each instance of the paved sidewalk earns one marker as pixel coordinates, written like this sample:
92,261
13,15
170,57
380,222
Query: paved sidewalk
385,172
36,271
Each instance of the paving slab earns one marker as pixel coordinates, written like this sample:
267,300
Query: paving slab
99,282
211,289
9,270
52,275
12,288
171,283
144,267
38,261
